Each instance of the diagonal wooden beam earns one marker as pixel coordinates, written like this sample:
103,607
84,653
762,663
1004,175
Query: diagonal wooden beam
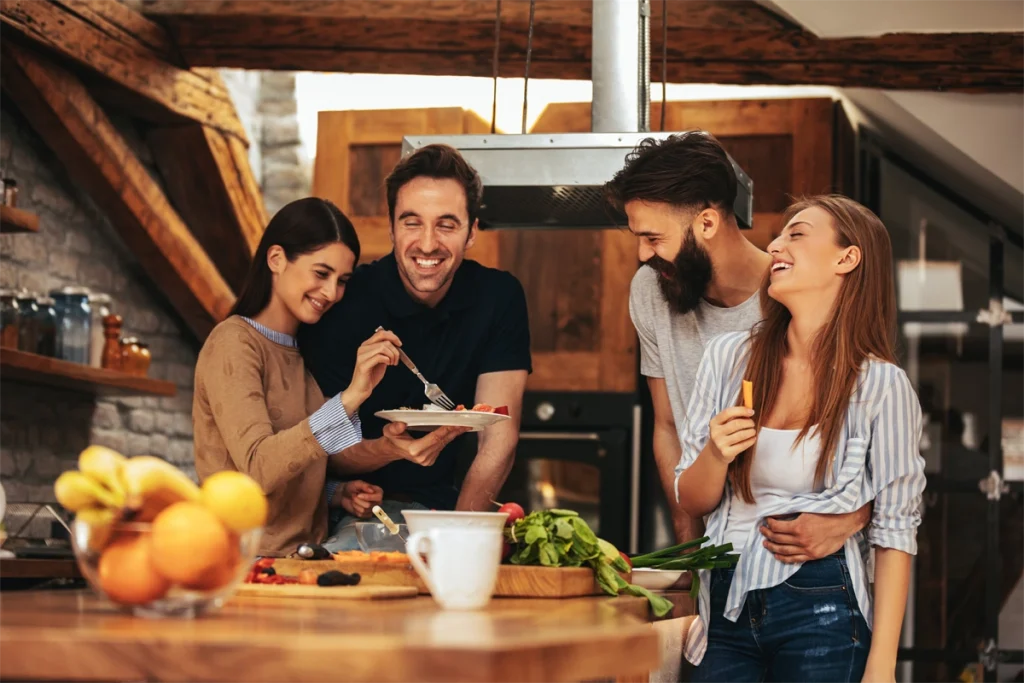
98,158
127,50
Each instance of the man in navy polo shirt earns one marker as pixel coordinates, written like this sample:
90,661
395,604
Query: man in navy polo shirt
464,325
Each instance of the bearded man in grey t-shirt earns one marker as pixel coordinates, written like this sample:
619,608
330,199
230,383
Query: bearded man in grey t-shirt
701,277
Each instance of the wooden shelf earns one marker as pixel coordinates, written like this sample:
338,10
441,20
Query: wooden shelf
35,369
17,220
21,568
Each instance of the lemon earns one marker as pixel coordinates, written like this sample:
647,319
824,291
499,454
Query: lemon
235,499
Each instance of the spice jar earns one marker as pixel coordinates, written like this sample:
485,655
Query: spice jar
28,327
145,358
100,305
9,319
46,340
112,342
10,192
131,355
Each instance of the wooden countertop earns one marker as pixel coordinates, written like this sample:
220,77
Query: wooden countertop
72,635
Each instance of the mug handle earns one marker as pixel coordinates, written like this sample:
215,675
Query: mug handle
412,548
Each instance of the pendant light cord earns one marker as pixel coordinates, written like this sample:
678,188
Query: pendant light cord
494,66
664,58
529,53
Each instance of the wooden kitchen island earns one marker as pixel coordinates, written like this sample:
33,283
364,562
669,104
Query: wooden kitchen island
72,635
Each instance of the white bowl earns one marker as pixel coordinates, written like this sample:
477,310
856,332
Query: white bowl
424,520
661,579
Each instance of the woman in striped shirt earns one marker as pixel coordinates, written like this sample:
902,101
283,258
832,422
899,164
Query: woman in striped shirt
835,424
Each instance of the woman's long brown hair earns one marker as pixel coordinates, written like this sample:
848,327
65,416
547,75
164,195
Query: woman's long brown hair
862,326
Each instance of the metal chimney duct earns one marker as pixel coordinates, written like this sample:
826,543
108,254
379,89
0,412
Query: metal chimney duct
556,181
615,67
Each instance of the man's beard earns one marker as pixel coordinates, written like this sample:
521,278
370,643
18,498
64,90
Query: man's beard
684,282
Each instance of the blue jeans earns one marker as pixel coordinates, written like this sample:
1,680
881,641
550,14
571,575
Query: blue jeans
806,629
343,526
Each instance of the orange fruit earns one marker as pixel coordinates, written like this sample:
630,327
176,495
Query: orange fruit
127,574
223,573
188,542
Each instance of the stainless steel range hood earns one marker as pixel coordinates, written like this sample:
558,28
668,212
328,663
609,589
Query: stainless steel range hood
556,180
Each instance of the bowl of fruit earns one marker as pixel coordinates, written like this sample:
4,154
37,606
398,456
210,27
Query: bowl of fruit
152,542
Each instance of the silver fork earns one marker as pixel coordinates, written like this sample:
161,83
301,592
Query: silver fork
432,391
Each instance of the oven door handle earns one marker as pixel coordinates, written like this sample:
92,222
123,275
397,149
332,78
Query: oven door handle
560,436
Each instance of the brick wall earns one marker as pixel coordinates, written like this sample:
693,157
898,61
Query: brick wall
42,430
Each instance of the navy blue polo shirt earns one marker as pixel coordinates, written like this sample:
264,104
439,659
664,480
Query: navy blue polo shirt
480,326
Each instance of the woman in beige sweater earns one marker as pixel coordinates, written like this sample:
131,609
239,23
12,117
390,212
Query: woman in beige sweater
256,408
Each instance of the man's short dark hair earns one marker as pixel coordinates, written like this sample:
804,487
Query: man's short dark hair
436,161
686,170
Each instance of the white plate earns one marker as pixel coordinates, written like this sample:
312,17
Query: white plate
429,420
661,579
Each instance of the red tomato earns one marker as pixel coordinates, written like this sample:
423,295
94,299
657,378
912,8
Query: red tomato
501,410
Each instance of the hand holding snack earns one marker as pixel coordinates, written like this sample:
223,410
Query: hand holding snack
732,432
358,497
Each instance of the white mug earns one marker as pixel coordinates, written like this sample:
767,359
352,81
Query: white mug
462,564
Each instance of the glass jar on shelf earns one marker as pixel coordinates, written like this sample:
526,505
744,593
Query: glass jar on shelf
75,320
28,327
9,319
47,330
100,309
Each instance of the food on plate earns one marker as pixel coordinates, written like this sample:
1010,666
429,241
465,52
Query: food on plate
748,395
484,408
263,571
334,577
561,538
378,557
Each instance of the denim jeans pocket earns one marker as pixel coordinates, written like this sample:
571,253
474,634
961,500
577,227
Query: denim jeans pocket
826,575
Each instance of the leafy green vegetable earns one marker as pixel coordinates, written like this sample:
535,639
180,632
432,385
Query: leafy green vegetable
561,538
677,558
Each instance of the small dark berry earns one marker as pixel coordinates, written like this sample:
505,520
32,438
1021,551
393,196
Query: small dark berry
269,571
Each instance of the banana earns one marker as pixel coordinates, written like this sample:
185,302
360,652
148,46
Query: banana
151,484
100,527
77,491
104,465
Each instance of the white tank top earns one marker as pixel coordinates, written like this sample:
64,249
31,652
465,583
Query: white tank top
779,472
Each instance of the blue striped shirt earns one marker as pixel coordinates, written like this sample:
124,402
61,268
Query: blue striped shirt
877,459
334,429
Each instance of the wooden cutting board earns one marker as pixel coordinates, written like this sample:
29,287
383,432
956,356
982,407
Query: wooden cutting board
513,580
359,592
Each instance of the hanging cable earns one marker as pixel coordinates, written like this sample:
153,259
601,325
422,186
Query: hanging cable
664,59
494,66
529,52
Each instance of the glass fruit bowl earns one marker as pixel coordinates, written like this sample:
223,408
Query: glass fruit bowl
374,537
180,572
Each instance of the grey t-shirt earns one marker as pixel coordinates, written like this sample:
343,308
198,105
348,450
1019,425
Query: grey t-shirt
672,344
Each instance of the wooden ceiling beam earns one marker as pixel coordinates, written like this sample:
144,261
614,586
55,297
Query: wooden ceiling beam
127,50
749,44
709,14
97,157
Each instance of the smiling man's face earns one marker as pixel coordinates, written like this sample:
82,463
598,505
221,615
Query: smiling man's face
668,244
431,233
